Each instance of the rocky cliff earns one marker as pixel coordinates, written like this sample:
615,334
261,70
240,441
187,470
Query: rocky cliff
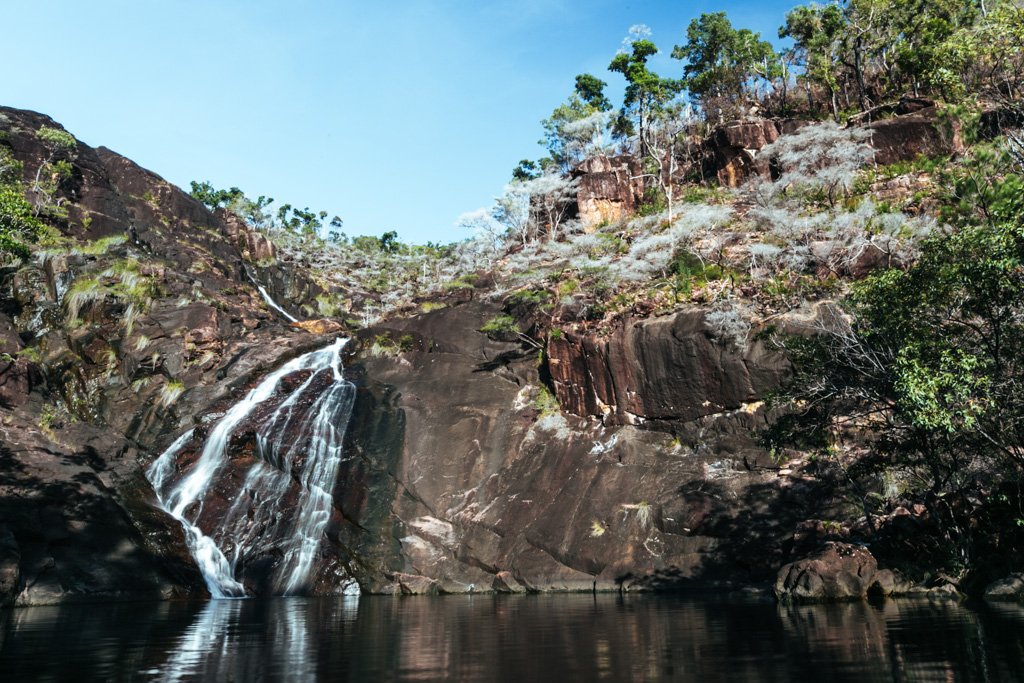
622,459
649,476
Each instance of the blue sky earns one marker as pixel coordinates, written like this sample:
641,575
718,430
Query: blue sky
395,115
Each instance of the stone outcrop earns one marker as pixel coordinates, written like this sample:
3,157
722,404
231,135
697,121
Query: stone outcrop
919,133
610,188
839,571
484,489
733,150
671,368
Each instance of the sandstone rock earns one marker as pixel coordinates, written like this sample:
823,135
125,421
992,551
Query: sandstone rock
839,571
504,582
320,326
610,188
479,488
1008,588
905,138
733,150
411,584
668,368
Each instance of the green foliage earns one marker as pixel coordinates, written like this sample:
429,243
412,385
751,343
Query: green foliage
817,31
19,226
722,61
527,299
170,392
933,364
653,203
213,198
545,402
565,144
501,327
646,91
56,139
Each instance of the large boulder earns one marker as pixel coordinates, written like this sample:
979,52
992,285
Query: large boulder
839,571
1010,588
907,137
733,150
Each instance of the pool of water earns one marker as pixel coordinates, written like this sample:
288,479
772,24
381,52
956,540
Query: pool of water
513,638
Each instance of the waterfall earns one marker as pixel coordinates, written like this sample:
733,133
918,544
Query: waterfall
266,297
283,504
273,304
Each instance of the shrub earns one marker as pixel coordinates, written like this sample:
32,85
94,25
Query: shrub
501,328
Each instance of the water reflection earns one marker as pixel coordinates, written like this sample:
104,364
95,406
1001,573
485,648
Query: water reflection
508,638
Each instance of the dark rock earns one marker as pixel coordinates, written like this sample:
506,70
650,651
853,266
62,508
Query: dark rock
905,138
839,571
1008,588
668,368
463,480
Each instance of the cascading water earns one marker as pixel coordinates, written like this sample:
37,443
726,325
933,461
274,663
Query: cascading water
270,301
284,503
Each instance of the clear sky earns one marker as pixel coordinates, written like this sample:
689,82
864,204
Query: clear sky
399,114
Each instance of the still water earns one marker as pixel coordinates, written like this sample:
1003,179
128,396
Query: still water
512,638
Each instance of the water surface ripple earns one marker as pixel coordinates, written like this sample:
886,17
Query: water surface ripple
512,638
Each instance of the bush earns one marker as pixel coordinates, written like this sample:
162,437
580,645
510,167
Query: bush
501,328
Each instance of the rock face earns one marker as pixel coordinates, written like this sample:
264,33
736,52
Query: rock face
459,476
484,489
667,369
839,571
610,188
920,133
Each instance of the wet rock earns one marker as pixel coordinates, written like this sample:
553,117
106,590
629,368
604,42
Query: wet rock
411,584
10,567
504,582
839,571
1008,588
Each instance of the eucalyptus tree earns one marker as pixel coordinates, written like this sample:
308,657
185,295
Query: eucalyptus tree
724,65
646,91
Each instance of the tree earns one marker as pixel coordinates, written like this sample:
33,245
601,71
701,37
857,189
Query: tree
816,31
590,89
53,170
723,63
646,92
667,134
574,128
929,363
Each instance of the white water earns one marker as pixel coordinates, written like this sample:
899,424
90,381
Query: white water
266,297
273,304
295,446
